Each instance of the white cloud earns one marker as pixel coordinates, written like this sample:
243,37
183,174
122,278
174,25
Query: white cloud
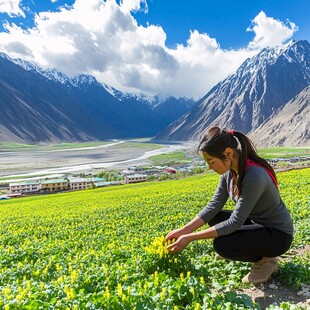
103,39
134,5
11,7
270,32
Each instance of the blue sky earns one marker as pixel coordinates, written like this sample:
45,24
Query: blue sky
225,20
167,47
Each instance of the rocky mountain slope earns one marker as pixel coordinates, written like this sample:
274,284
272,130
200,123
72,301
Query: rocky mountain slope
289,126
244,100
45,105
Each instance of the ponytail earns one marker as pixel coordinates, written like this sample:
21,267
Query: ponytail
248,151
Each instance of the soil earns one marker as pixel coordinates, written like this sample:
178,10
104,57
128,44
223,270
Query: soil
274,292
265,296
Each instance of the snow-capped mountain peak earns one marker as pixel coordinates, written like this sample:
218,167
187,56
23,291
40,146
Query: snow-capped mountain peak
247,98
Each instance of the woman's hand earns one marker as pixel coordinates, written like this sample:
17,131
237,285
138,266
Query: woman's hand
175,234
187,229
179,245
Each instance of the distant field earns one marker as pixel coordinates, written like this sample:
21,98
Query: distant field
174,157
144,143
139,145
185,157
284,152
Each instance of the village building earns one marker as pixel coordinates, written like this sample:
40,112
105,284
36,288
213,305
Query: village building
99,182
170,170
134,178
85,183
80,183
26,187
54,185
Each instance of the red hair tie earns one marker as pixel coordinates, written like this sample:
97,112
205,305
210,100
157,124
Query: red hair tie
232,132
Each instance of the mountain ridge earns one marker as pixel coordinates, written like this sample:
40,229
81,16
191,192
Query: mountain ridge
247,98
47,106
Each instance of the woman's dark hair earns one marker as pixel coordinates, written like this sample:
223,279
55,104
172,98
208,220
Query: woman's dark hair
215,140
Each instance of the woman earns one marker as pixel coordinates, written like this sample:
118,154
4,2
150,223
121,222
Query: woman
260,227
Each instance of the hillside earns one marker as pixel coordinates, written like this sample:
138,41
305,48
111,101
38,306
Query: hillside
47,106
247,98
289,125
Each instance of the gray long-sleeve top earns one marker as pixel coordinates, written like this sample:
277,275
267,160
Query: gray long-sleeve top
259,201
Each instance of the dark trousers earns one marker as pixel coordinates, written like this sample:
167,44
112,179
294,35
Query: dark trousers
251,242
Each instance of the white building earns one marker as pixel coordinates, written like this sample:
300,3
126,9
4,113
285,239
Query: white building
25,187
80,183
84,183
134,178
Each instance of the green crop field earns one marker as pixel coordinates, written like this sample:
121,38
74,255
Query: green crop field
284,152
104,249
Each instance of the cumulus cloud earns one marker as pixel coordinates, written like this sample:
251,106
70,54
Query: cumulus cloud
102,38
270,32
134,5
11,7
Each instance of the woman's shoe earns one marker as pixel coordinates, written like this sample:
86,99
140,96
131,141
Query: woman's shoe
261,270
218,257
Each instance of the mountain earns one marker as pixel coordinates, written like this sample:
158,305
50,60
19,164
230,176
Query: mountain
289,125
46,105
247,98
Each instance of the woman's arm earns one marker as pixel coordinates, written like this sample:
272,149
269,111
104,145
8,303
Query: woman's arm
184,240
185,235
194,224
218,200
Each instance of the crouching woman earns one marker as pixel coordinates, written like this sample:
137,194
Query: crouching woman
260,227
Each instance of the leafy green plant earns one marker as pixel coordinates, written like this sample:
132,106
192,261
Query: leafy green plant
103,249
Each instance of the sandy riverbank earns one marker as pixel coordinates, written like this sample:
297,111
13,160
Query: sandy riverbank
116,155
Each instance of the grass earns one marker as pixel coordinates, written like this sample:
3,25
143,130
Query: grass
139,145
173,157
284,152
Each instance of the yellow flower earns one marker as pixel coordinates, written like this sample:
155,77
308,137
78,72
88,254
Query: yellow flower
119,289
158,247
156,278
74,276
45,270
6,291
162,294
197,306
107,293
69,292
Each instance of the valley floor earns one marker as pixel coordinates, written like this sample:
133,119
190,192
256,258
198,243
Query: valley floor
113,155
